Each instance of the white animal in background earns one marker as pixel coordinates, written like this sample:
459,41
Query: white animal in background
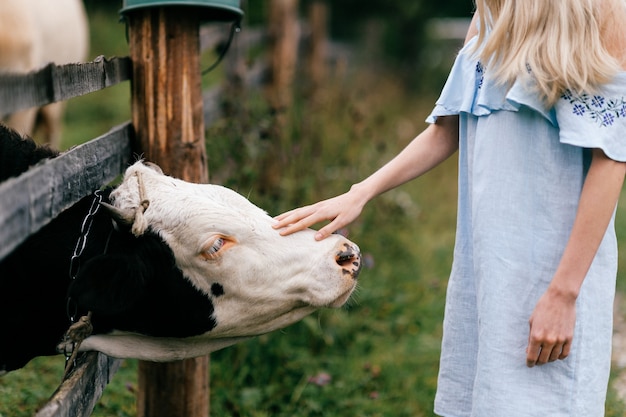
34,33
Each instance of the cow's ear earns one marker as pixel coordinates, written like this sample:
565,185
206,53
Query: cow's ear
108,284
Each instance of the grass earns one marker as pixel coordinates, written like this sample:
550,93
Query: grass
378,356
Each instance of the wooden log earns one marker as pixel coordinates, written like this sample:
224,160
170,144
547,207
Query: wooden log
82,389
168,119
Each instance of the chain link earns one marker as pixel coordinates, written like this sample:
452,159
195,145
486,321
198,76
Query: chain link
84,234
71,306
80,248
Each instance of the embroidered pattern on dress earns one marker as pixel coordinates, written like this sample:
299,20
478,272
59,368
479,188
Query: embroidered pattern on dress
598,108
480,72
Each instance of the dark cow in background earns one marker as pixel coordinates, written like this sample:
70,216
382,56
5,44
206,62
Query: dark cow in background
182,270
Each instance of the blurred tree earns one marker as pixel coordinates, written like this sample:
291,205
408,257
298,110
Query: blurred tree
394,31
399,24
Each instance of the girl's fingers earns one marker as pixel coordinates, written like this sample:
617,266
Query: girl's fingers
293,227
291,213
540,354
296,221
291,217
282,216
339,211
301,218
327,230
556,353
532,354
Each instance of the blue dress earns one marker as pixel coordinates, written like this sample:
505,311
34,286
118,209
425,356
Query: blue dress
521,171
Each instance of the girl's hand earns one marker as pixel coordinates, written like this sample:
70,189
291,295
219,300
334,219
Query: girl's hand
551,329
341,211
552,323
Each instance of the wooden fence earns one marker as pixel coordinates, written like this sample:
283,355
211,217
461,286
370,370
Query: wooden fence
32,200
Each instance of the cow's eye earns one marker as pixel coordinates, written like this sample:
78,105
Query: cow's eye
212,248
215,246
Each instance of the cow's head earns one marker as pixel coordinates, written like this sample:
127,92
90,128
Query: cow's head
255,280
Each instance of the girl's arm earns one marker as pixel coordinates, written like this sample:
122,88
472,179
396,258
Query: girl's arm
430,148
435,144
552,322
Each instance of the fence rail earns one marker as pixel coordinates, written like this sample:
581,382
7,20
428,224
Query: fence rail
36,197
79,393
54,83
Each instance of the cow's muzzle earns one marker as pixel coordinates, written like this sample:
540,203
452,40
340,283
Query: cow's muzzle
349,259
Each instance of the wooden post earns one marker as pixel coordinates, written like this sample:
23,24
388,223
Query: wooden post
284,35
167,90
174,388
168,120
318,42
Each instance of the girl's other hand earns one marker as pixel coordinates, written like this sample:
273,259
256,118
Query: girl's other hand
551,328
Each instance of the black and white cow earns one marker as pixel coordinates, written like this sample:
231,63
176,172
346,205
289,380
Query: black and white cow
197,270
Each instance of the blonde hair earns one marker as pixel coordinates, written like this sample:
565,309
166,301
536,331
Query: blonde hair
565,44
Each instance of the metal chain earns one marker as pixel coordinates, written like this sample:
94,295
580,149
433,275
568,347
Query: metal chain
79,330
84,234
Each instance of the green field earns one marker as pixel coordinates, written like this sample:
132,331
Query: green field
377,356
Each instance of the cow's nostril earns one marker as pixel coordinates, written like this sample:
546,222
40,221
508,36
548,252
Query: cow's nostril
345,258
350,261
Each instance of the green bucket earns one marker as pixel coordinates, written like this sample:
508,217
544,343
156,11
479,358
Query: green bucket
218,10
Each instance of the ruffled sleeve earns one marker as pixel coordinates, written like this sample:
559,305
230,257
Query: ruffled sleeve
470,90
596,120
462,87
464,82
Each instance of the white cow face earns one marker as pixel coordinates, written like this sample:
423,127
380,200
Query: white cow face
225,246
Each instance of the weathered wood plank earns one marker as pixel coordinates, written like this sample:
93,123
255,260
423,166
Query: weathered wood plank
60,82
79,393
31,200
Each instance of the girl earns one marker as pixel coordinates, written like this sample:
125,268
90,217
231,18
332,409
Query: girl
535,104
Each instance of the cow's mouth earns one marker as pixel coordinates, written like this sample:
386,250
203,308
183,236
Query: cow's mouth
343,298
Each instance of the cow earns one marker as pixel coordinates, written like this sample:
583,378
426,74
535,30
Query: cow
165,269
34,33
